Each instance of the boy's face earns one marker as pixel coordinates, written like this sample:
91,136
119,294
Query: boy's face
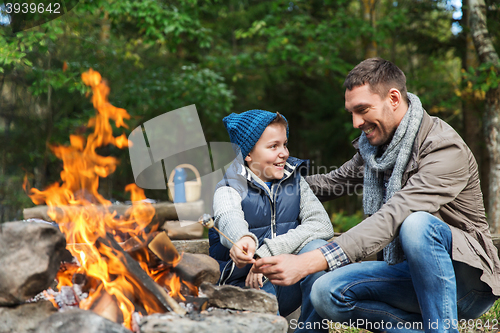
268,156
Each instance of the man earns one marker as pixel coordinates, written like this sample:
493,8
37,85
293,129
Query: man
425,211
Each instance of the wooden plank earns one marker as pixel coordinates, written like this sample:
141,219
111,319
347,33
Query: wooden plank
192,246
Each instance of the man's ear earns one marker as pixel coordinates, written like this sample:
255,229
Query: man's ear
395,98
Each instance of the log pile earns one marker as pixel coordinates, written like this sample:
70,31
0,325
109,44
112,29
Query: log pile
32,255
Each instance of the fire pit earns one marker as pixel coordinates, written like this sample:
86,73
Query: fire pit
119,271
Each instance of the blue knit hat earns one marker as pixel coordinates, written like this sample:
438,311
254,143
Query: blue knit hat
246,128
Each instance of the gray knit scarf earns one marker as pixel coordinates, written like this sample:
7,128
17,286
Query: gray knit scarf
396,157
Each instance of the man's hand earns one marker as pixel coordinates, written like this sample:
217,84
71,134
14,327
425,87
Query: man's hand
254,280
240,259
288,269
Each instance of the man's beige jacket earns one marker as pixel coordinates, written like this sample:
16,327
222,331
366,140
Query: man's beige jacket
441,178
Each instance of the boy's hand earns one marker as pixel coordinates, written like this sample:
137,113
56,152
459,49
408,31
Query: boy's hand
240,259
254,280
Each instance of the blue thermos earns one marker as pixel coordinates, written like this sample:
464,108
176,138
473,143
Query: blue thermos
179,190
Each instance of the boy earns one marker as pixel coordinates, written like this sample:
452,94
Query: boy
264,203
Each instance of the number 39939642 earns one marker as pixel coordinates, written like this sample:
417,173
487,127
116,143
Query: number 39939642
16,8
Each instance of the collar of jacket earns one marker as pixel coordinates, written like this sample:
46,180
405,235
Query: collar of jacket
292,165
423,131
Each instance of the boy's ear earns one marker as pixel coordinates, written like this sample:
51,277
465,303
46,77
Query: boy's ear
248,158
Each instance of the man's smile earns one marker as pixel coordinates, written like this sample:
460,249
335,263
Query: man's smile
369,130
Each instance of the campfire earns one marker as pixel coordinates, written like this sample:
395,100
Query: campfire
123,266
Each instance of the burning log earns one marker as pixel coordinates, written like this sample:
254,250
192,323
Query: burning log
135,244
107,306
162,246
140,278
163,211
197,268
193,268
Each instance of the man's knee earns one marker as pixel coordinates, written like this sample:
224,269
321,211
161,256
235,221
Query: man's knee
416,222
420,229
321,296
327,297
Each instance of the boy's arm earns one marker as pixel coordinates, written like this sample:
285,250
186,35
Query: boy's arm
229,216
314,224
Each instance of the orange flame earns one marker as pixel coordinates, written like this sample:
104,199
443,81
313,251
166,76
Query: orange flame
82,213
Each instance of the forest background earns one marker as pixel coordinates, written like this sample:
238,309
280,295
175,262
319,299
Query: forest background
234,55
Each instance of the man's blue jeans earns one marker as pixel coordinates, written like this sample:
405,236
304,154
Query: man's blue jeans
291,297
428,291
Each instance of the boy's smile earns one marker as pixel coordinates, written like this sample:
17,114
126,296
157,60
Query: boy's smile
268,156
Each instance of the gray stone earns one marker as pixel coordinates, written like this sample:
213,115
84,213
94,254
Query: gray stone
24,318
217,320
79,321
232,297
30,256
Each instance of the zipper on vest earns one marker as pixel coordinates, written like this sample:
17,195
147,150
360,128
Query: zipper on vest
272,200
273,212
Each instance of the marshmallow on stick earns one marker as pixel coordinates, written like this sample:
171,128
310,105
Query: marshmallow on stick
208,222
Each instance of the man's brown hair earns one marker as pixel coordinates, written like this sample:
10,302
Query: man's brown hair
381,75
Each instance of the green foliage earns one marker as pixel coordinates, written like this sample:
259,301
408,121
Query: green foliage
172,22
12,200
483,78
342,222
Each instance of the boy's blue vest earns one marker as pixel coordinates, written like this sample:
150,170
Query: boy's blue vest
260,212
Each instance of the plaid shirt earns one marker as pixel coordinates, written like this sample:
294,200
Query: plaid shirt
334,256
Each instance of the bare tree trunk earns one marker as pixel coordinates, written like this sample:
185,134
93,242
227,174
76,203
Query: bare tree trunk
491,117
105,28
40,179
472,110
370,17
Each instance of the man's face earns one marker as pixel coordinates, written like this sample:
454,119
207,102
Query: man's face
371,114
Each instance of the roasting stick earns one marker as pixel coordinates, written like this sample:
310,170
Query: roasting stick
208,222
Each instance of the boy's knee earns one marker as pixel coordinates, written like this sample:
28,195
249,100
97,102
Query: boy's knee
313,245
